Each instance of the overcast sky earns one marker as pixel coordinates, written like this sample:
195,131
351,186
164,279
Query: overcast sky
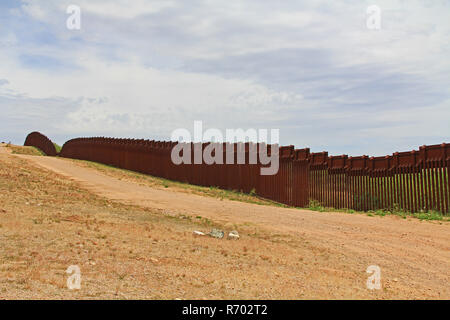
309,68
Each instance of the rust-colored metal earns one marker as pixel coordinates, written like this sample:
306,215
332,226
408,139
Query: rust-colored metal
413,180
38,140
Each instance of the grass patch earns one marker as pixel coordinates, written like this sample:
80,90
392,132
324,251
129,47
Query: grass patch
27,150
315,205
57,147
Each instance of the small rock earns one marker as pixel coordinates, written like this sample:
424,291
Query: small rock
154,260
215,233
234,235
2,210
395,280
198,233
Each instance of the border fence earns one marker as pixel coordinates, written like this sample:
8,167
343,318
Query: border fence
38,140
414,181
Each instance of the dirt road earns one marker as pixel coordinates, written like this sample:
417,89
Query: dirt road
414,255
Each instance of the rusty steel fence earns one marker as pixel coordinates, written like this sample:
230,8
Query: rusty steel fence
413,181
38,140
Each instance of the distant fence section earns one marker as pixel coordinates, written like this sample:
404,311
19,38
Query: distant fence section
413,181
38,140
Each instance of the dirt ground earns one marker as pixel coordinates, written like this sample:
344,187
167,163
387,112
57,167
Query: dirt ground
134,240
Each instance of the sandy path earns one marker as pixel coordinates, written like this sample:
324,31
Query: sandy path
413,255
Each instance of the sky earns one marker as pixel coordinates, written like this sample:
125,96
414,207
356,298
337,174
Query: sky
312,69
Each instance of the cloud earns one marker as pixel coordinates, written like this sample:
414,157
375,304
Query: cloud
310,68
123,9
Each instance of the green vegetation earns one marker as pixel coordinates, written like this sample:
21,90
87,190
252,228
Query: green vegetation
57,147
423,215
31,151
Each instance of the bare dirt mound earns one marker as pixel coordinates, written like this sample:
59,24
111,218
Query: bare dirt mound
414,255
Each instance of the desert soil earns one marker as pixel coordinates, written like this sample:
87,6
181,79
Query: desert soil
283,253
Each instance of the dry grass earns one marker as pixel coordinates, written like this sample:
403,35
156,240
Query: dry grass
31,151
48,223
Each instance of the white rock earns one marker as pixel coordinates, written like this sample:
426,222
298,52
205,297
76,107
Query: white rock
198,233
215,233
234,235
